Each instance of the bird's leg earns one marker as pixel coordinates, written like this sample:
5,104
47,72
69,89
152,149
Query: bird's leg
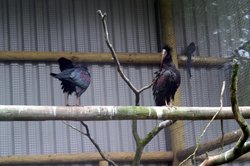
66,98
77,100
167,104
170,103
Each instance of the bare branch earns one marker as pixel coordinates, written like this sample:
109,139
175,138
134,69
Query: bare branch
90,113
114,56
204,131
140,143
211,145
73,127
135,133
241,146
92,141
146,87
120,71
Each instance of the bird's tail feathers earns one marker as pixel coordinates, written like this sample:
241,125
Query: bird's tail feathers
53,74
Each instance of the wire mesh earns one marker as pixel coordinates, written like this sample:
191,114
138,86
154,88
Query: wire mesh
219,28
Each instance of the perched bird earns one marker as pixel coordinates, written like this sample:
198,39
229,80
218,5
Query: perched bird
67,87
189,52
74,78
167,80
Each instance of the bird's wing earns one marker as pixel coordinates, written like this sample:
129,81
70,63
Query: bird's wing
162,81
81,77
64,75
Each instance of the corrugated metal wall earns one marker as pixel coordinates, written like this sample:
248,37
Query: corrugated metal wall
217,27
73,25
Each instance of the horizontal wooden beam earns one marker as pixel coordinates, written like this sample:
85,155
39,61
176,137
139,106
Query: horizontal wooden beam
93,113
83,158
127,58
204,61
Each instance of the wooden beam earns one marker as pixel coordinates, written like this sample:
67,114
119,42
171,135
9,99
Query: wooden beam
94,113
83,158
210,145
168,37
126,58
204,61
141,58
103,163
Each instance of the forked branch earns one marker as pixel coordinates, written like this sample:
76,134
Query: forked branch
140,143
87,134
241,146
204,131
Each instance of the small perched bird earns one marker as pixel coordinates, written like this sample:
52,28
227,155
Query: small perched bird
74,78
189,52
167,81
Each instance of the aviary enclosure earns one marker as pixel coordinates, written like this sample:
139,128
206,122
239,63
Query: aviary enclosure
36,128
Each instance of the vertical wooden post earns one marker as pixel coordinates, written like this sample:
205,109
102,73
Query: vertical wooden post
103,163
168,37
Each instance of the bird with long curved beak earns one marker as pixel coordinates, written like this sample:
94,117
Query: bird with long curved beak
163,55
167,80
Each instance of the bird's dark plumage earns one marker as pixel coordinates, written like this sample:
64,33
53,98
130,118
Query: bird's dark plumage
189,52
167,80
74,78
64,64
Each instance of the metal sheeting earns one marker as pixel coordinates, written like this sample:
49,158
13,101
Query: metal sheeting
217,28
73,25
48,137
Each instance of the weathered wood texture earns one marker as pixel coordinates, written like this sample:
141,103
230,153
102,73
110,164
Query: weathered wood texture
83,158
89,113
128,58
210,145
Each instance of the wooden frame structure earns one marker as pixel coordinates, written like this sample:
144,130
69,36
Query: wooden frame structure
127,58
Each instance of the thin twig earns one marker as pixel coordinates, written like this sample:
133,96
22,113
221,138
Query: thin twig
241,147
222,134
204,131
92,141
114,56
221,121
141,143
73,127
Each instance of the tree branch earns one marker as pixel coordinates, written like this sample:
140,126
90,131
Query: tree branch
211,145
92,141
114,56
204,131
241,146
139,142
87,113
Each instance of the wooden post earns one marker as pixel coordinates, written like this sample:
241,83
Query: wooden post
168,37
103,163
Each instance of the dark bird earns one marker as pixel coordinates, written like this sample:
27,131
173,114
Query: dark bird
189,52
74,78
167,80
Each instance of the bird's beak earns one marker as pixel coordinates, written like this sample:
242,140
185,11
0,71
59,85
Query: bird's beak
163,55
